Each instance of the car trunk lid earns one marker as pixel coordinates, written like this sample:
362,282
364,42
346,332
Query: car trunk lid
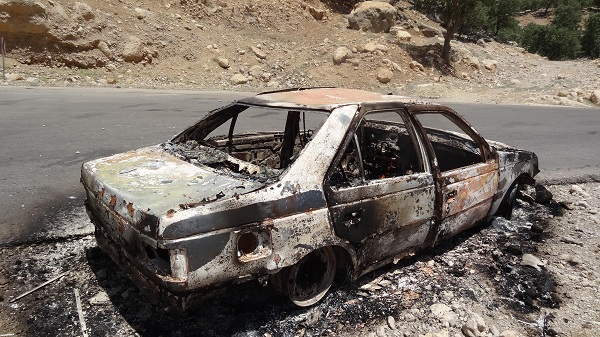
144,185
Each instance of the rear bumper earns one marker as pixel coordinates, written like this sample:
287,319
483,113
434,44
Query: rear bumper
130,256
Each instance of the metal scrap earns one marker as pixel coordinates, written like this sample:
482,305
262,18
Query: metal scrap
38,287
80,313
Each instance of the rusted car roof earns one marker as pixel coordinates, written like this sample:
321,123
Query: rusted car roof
322,98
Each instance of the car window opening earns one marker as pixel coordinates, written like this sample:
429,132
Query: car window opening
235,140
453,147
378,150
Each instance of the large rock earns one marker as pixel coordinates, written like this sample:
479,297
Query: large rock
239,79
595,97
105,49
258,53
403,36
429,31
372,16
474,326
384,75
490,64
23,16
317,14
414,65
142,13
83,11
222,62
472,61
134,50
255,71
340,55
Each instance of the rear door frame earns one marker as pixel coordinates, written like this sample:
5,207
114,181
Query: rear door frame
442,195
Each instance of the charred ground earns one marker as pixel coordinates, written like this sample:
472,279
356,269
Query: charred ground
438,291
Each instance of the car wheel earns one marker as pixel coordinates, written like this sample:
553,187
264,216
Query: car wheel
508,203
309,280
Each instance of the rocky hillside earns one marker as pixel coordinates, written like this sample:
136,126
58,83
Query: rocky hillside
259,44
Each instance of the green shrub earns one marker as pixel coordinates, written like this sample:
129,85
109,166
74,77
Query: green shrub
556,43
512,33
590,41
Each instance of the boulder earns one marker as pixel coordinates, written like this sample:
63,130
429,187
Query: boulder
384,75
595,97
23,16
239,79
531,261
474,326
83,11
222,62
340,55
142,13
14,77
255,71
317,14
369,47
266,77
473,62
372,16
100,298
490,64
403,36
414,65
105,49
134,50
429,31
259,53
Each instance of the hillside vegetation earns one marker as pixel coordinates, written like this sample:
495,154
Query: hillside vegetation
261,45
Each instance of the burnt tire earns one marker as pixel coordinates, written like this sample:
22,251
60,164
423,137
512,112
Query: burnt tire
508,203
309,280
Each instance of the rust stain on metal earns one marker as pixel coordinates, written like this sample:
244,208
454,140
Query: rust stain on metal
170,213
130,209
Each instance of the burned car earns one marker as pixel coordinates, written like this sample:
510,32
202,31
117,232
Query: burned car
293,187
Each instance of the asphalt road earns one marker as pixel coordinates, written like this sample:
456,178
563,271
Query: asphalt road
47,133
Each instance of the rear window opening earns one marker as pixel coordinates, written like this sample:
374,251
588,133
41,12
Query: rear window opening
251,141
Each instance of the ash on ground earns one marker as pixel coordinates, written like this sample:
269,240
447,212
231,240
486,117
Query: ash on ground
535,275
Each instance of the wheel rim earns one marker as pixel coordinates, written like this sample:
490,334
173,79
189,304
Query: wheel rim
310,279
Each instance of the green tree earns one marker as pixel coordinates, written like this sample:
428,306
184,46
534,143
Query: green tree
503,12
477,17
590,40
451,13
511,32
568,15
532,37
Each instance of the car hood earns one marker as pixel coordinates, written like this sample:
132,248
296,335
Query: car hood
151,183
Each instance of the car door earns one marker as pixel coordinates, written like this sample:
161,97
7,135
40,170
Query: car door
466,171
380,189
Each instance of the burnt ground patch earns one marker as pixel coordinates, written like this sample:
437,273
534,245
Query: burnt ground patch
478,268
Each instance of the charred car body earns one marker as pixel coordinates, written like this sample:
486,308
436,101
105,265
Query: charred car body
348,181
